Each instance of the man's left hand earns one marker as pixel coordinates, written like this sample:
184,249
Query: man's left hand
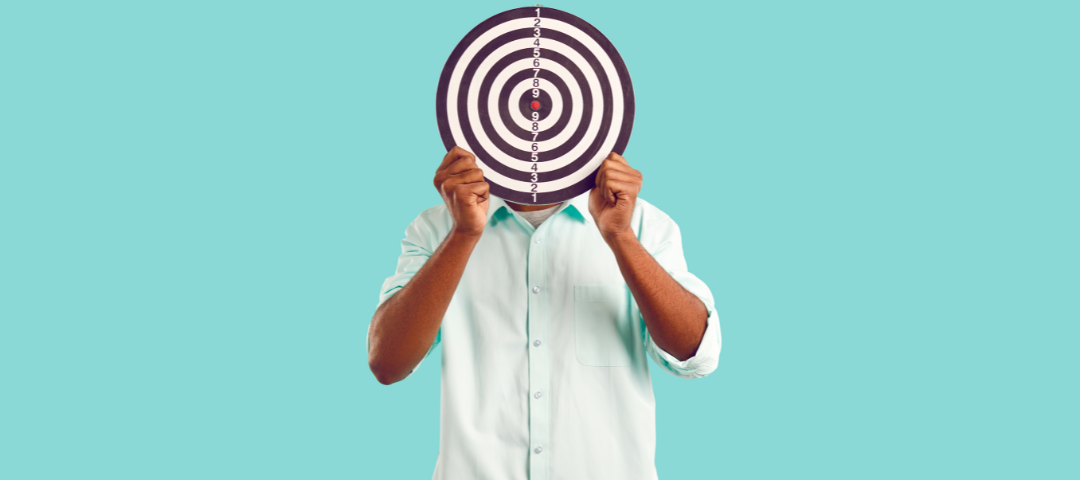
611,202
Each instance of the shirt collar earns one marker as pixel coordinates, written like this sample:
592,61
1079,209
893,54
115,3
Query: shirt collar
577,207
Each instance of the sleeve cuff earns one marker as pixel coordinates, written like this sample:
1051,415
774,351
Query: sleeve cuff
704,360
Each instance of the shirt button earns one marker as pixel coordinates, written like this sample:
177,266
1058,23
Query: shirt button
537,241
536,343
538,449
536,289
539,394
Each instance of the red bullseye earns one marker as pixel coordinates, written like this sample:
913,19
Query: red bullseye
535,105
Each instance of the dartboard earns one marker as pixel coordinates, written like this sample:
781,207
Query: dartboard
540,97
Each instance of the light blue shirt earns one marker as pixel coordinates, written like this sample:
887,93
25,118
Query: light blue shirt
544,372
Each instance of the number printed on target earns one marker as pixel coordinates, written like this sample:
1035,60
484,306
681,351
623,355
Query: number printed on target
540,97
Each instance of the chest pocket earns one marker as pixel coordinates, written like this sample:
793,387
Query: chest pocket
604,336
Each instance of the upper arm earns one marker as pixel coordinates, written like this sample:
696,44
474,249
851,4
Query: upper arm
416,248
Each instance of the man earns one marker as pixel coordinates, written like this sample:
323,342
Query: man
545,325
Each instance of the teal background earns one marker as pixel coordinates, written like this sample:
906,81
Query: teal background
200,200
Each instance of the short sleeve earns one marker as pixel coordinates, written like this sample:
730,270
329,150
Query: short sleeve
417,246
661,237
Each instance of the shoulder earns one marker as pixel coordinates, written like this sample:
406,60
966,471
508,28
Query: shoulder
649,217
644,207
431,225
655,229
435,214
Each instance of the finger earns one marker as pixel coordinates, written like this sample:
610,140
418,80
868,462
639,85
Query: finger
600,176
604,184
450,182
462,164
617,165
621,176
614,160
471,190
618,189
480,189
609,175
471,175
449,171
618,158
623,187
452,155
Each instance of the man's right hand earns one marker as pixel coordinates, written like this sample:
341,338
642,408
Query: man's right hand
463,189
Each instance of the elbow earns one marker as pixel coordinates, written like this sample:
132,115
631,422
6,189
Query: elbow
686,352
377,362
385,380
704,360
384,375
379,367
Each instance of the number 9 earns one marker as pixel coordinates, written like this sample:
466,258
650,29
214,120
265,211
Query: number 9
536,93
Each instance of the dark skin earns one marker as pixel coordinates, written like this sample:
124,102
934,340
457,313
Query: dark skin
404,326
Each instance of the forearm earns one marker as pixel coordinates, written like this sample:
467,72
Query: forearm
404,327
676,318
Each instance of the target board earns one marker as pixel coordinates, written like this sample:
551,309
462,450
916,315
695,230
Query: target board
540,97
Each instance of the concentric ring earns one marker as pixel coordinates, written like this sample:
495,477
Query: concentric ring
483,96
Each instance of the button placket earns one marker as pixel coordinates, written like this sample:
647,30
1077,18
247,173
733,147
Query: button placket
539,411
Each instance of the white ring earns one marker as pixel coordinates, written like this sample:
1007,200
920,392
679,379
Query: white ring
589,43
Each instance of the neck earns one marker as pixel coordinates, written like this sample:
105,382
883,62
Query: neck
529,208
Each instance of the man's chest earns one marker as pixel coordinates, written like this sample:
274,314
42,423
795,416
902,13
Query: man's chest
555,288
520,267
